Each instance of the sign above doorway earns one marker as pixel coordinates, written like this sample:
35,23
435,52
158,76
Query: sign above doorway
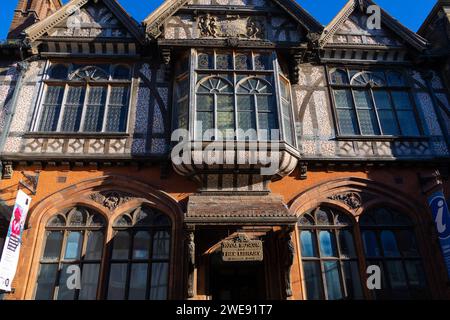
242,248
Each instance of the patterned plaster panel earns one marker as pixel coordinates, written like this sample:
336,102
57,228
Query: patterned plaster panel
142,105
431,121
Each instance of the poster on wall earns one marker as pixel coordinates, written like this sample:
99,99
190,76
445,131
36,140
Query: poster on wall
441,217
11,249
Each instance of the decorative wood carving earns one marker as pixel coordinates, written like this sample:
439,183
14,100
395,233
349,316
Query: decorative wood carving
111,199
190,241
231,26
288,260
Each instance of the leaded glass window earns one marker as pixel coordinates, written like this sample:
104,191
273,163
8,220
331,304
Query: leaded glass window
79,98
389,241
140,256
236,97
373,102
329,255
73,238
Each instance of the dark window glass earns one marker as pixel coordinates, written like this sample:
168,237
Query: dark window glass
332,271
388,235
144,273
78,243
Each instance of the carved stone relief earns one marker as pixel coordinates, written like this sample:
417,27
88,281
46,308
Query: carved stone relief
351,199
111,199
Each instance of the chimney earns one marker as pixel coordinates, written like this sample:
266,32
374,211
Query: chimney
28,12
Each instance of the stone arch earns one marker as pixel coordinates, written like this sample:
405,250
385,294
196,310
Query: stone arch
374,194
92,194
356,195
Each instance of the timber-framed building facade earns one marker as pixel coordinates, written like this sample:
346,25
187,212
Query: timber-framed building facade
360,118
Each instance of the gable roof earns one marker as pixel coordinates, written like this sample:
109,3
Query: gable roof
168,8
39,29
428,20
387,20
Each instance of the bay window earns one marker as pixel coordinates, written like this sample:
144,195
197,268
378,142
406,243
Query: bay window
79,98
373,103
236,95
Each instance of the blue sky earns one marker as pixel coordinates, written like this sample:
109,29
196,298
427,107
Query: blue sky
409,12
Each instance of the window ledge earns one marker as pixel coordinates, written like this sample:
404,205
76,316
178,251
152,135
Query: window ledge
383,138
86,135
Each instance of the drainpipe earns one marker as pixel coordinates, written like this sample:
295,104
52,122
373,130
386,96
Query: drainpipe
22,68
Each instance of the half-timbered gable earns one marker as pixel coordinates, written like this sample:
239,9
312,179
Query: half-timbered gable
244,20
364,98
71,106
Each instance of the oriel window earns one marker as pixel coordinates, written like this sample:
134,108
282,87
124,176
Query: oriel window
236,95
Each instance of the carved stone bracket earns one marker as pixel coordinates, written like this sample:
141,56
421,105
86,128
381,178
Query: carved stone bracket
7,171
166,56
303,171
111,199
351,199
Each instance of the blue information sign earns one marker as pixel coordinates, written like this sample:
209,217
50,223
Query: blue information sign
441,217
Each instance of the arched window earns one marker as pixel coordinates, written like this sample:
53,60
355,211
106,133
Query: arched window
373,102
74,241
215,105
329,255
256,107
140,256
389,242
87,99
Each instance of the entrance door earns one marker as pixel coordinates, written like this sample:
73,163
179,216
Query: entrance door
237,280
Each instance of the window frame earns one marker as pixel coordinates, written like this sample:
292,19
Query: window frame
382,258
132,230
340,259
407,87
85,230
108,84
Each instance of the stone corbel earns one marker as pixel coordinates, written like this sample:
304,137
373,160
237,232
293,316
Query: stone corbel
430,181
7,170
166,55
303,170
190,249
